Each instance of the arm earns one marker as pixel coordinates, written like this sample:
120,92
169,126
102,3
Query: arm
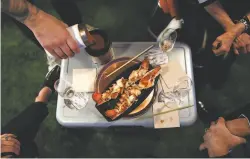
240,125
242,42
170,6
219,141
173,9
49,31
21,10
216,10
233,31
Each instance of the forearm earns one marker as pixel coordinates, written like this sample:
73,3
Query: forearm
28,121
216,10
21,10
239,128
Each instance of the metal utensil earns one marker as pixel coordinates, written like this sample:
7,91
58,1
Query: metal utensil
90,38
130,60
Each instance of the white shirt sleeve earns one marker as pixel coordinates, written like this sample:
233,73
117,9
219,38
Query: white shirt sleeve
202,1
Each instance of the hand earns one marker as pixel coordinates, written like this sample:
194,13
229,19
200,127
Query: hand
218,139
164,6
53,35
10,144
223,43
242,44
238,127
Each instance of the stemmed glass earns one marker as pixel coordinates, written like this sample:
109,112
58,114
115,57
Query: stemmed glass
175,96
156,57
71,98
167,39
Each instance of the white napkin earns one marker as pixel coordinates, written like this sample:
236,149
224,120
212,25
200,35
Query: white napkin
84,79
170,73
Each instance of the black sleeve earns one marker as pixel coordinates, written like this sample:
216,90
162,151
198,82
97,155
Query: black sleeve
240,151
226,156
26,124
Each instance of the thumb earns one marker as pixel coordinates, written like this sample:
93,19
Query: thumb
221,121
238,141
202,147
235,49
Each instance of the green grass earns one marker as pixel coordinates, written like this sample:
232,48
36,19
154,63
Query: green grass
24,67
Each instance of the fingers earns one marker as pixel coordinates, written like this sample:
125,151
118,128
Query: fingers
240,141
66,50
9,135
235,140
221,121
202,147
207,135
10,145
235,49
164,6
218,48
212,123
215,44
73,45
240,45
9,138
10,142
15,149
221,50
59,52
243,49
53,53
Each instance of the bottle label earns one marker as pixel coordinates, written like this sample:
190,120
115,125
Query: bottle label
74,32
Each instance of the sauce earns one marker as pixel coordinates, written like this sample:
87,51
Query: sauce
101,51
99,42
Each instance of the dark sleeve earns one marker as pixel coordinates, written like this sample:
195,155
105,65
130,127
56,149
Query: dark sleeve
240,151
26,124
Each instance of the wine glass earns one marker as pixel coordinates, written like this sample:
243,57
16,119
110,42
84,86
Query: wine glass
167,39
76,99
156,57
183,86
178,92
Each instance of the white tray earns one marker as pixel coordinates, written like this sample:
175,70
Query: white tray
90,117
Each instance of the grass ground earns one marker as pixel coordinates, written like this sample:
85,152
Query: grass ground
24,68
